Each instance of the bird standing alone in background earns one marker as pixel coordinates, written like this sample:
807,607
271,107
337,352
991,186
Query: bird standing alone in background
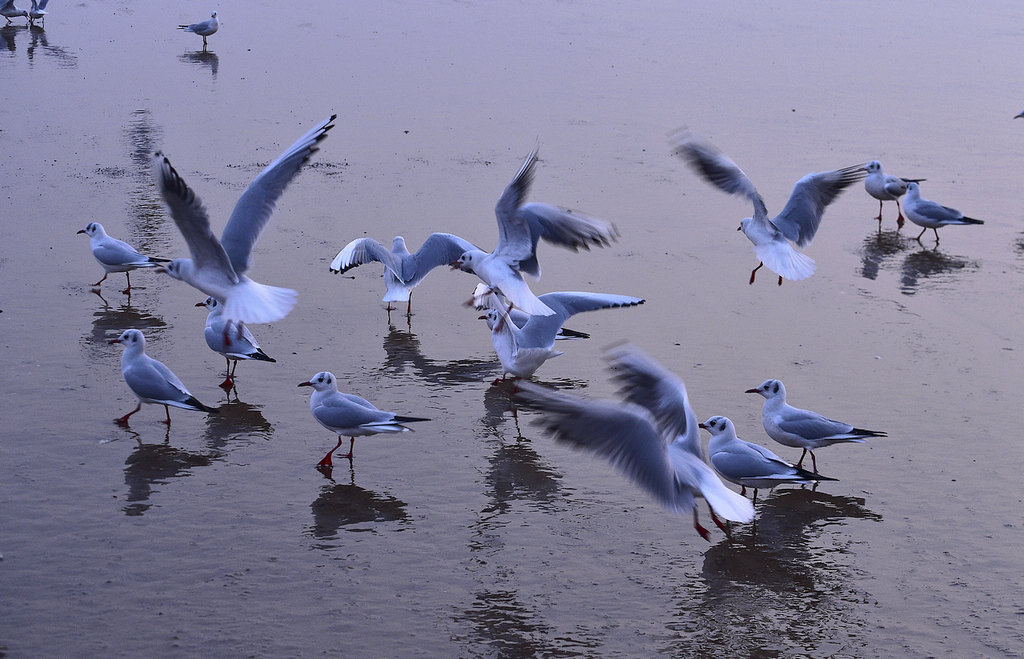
886,187
203,29
932,215
116,255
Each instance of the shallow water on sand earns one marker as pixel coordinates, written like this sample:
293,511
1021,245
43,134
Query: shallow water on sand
477,535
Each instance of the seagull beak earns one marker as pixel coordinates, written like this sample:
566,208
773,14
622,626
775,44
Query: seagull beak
752,391
456,265
198,304
701,425
481,318
113,341
305,384
83,230
739,228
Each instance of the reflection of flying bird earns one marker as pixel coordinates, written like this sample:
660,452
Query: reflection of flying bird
116,255
747,464
403,271
792,426
931,215
799,219
151,381
235,342
203,28
520,227
886,187
653,438
217,267
348,414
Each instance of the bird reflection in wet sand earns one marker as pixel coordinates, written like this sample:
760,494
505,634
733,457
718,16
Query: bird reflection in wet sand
109,322
878,248
786,583
506,626
404,357
516,472
65,59
339,505
202,58
156,464
236,421
9,34
931,264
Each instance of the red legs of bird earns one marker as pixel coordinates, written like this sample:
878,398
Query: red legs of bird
814,462
128,276
718,522
879,218
102,280
899,219
326,461
229,375
124,419
923,232
743,490
167,411
754,502
700,529
408,306
753,273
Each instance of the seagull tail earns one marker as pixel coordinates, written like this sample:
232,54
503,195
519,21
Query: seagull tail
786,261
971,220
259,355
724,501
194,404
258,303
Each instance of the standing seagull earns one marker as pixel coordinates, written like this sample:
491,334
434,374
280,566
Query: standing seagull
520,226
403,271
750,465
348,414
217,267
151,381
235,343
792,426
652,438
203,29
799,219
931,215
886,187
116,255
9,11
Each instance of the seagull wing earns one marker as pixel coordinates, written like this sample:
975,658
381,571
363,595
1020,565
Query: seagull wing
622,434
562,227
719,170
802,214
437,250
514,241
252,212
362,251
192,220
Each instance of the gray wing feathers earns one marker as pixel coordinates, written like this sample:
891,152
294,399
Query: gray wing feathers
191,219
562,227
513,230
719,170
645,382
254,207
800,218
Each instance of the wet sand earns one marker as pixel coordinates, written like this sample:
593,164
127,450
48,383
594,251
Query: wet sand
477,535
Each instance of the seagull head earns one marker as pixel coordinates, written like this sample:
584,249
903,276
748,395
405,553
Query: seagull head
131,338
913,190
93,229
467,261
178,268
873,167
322,381
769,389
493,318
210,303
718,425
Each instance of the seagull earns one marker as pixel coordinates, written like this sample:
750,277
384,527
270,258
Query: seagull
523,342
203,28
652,437
520,226
886,187
348,414
38,10
151,381
402,271
234,343
1016,116
799,219
931,215
792,426
116,255
217,267
750,465
9,11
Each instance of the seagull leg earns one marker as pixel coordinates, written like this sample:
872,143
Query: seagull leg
879,218
936,235
128,276
800,462
899,220
326,461
408,306
753,273
351,445
718,522
814,462
167,411
743,490
700,529
124,419
755,496
918,239
780,280
101,281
